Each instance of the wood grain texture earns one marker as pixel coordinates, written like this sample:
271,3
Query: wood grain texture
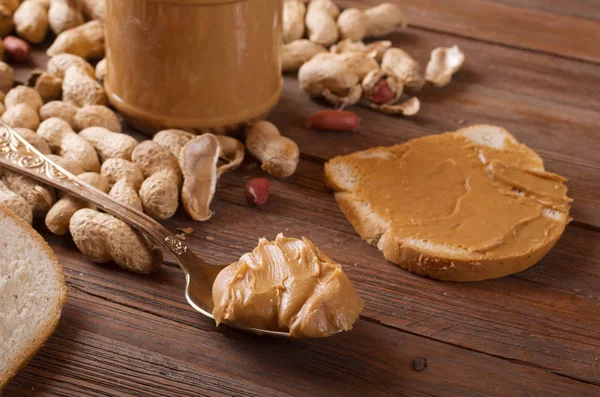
93,353
508,23
536,333
544,318
392,293
548,103
585,9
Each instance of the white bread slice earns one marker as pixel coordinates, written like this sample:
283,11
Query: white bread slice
438,259
32,293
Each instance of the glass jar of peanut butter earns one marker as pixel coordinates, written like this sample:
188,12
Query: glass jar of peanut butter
199,65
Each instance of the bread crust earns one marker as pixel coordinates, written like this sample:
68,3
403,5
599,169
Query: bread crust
22,357
424,263
449,266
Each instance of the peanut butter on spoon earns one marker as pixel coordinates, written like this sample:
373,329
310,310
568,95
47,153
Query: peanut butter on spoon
287,285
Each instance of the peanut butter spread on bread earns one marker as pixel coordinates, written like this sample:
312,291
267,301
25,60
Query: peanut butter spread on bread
287,285
458,194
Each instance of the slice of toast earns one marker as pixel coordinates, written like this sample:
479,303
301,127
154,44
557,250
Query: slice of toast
32,293
468,205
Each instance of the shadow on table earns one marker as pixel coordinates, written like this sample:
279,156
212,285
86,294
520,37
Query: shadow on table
366,358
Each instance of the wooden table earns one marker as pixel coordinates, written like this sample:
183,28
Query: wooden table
533,67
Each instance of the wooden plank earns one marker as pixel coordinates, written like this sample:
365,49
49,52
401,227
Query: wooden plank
573,265
103,348
534,317
125,334
564,28
576,254
321,220
547,102
552,99
544,101
504,23
584,9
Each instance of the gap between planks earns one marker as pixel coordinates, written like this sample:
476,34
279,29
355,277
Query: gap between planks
376,322
508,359
504,23
512,46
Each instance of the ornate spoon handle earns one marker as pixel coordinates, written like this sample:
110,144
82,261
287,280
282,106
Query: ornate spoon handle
18,155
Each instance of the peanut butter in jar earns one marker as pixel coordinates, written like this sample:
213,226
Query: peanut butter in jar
199,65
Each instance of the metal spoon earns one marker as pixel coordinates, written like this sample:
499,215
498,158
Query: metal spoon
18,155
